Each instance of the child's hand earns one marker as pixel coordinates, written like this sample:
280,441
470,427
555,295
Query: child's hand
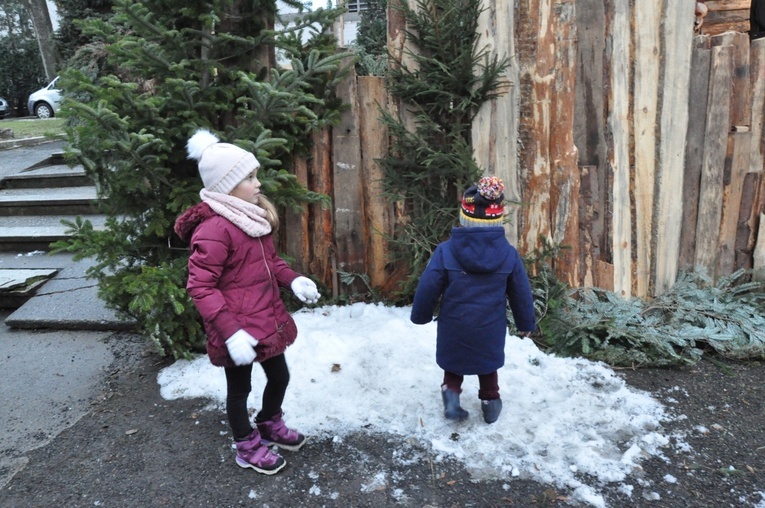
241,347
305,289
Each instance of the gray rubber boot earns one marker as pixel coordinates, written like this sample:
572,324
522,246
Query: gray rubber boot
491,410
452,409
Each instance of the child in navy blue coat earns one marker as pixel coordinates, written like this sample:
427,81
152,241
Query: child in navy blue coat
475,274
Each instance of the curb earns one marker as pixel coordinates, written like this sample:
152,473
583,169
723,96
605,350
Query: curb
9,144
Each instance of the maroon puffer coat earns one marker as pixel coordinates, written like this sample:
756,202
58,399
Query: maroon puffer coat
234,281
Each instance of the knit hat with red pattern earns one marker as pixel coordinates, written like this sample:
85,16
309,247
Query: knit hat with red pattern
483,203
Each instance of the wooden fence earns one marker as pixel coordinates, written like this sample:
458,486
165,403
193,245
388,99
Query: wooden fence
726,16
622,136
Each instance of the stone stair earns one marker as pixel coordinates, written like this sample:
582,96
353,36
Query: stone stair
35,200
45,290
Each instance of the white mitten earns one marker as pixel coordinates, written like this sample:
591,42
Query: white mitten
305,289
241,347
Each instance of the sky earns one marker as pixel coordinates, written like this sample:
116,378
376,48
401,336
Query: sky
366,368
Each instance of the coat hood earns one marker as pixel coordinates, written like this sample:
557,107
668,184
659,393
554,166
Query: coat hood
188,221
480,249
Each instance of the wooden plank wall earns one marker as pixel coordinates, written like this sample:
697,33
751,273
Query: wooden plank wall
566,179
753,192
535,40
673,129
619,147
622,137
698,90
548,160
348,185
350,235
645,119
726,16
496,126
378,216
590,134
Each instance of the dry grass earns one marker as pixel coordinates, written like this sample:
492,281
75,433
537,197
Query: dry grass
33,127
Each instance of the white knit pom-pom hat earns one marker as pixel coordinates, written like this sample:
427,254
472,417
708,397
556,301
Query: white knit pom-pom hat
221,165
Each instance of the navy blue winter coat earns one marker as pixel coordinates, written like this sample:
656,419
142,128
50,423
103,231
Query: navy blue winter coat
474,273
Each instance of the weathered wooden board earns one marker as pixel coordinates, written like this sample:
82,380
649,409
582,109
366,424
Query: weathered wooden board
564,192
753,191
374,145
746,230
740,98
678,45
589,252
396,27
495,128
716,138
759,253
347,192
719,22
619,160
736,168
295,230
648,55
726,16
320,225
757,107
590,111
536,50
605,276
728,5
694,149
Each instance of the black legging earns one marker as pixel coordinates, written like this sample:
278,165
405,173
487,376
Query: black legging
239,386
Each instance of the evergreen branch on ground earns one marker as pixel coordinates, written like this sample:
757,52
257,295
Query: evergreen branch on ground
695,317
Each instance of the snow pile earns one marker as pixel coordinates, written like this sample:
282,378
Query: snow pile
367,368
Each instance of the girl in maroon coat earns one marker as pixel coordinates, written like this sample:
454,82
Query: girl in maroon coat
234,280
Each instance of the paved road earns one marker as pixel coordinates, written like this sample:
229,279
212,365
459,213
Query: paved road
49,377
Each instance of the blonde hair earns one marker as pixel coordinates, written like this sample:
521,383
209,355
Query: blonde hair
271,214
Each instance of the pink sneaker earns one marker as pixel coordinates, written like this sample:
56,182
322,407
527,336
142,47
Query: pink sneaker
274,431
255,455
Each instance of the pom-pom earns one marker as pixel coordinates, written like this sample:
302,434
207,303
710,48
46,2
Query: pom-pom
490,187
199,142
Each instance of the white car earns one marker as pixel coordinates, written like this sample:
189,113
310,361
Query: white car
44,103
5,108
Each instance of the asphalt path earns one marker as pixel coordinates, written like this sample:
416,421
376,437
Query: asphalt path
49,377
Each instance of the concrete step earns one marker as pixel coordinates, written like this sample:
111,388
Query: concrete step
36,233
50,201
17,286
67,301
47,177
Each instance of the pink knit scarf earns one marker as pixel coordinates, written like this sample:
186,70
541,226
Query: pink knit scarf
248,217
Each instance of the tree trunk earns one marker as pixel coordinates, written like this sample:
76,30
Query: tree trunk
38,12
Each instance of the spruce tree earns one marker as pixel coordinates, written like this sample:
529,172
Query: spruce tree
72,15
154,73
20,59
429,166
372,39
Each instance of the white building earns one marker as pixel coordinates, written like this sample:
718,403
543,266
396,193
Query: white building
348,21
